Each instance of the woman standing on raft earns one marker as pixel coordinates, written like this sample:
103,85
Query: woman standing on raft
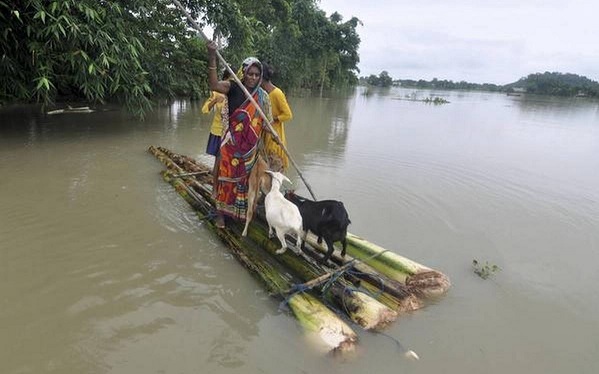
281,113
239,143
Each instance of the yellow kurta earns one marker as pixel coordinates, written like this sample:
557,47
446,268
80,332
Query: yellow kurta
281,112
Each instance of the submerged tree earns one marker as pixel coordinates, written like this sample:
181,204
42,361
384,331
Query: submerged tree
382,80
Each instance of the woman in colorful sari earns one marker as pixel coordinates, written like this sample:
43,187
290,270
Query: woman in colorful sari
239,143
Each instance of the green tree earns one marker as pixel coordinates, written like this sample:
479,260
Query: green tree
384,79
137,52
372,80
122,51
559,84
311,50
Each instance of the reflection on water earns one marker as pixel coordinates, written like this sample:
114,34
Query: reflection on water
323,127
105,269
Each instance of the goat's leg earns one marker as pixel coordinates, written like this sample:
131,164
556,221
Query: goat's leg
302,244
299,243
270,234
329,251
252,201
248,217
247,223
281,236
344,243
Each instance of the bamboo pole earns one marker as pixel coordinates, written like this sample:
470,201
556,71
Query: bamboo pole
394,294
274,133
312,315
393,273
386,260
427,281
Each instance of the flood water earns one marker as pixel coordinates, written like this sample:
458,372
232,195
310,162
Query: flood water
105,269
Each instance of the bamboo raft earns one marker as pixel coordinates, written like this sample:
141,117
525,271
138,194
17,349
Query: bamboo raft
370,287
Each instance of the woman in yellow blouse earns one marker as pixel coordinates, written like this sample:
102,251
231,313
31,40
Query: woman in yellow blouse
217,102
281,112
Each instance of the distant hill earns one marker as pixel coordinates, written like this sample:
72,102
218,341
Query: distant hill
560,84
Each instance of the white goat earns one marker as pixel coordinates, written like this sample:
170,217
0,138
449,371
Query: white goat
281,214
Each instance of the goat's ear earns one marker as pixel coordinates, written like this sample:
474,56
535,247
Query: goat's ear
287,179
268,171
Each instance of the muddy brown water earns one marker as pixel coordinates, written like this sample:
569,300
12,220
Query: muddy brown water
104,269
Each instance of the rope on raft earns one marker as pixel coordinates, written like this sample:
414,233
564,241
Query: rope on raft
328,279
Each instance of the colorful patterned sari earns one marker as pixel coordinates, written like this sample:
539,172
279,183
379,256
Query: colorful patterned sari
238,151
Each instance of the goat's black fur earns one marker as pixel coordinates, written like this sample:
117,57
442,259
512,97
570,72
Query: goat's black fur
327,219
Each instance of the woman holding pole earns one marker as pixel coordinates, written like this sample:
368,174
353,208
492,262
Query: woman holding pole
239,143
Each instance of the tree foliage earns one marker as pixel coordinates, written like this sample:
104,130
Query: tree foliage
311,50
449,85
70,47
137,52
382,80
558,84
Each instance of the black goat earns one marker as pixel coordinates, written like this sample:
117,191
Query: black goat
327,219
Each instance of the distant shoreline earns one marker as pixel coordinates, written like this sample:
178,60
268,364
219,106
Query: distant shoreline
555,84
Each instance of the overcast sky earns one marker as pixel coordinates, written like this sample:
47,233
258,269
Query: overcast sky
479,41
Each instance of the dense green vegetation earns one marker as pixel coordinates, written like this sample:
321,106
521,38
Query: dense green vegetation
138,52
382,80
448,85
547,83
556,84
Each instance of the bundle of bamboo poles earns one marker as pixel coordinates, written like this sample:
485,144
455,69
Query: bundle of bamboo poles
369,287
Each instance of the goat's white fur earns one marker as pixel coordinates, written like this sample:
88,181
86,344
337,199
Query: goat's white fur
282,214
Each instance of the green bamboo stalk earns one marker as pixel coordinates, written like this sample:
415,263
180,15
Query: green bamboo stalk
393,294
422,279
312,315
391,264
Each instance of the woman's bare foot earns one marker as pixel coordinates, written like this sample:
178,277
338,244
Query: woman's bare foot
220,221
